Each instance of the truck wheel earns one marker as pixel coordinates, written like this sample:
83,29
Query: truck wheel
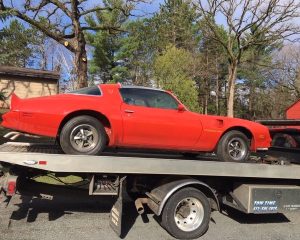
233,147
83,135
186,214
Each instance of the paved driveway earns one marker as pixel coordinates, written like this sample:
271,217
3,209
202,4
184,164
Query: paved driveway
88,219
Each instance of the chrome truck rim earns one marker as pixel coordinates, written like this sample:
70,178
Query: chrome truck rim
84,137
189,214
237,149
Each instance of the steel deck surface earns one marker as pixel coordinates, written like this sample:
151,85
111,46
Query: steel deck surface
49,158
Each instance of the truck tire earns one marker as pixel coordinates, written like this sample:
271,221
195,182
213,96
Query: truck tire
233,146
186,214
83,135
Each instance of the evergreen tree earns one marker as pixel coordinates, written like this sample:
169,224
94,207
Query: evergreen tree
106,65
175,24
17,44
137,51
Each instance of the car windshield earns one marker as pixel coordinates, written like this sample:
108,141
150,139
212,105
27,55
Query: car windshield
148,98
94,90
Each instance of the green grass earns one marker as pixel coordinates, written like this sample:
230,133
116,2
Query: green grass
71,179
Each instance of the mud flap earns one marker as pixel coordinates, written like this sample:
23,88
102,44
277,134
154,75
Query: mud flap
116,218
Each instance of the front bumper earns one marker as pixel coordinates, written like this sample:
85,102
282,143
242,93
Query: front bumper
262,149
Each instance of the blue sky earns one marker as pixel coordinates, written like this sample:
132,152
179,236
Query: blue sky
142,8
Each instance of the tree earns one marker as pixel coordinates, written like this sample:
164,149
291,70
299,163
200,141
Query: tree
273,19
172,72
64,22
211,72
255,62
137,50
286,70
106,44
17,44
175,24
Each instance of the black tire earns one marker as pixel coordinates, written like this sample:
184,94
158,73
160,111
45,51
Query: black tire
224,149
99,136
284,140
168,215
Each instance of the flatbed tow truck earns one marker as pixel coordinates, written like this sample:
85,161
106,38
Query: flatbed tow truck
181,192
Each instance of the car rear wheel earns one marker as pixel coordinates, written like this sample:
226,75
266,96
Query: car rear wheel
83,135
234,146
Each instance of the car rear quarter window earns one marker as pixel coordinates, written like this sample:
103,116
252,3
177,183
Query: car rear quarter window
94,90
148,98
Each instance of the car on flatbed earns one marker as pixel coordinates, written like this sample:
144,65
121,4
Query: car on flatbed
87,120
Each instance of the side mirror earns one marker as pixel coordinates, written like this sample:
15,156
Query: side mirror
181,108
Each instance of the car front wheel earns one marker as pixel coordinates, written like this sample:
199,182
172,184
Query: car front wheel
233,146
83,135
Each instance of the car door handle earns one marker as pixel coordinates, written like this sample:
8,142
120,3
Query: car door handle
128,111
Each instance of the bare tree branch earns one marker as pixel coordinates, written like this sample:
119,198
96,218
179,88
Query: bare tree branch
68,30
248,24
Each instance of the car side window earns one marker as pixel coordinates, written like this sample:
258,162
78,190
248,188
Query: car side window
148,98
94,90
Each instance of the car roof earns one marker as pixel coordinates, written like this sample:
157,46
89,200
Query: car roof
141,87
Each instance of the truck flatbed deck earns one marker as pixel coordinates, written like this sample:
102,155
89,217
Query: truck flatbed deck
160,181
49,158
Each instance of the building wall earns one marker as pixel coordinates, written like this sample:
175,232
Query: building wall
25,88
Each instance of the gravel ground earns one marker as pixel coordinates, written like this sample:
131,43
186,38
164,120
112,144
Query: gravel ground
80,219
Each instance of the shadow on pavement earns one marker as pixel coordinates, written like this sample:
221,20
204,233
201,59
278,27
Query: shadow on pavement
244,218
28,208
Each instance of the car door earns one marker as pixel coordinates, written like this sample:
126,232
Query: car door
151,120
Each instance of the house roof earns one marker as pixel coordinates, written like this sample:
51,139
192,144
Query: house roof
29,72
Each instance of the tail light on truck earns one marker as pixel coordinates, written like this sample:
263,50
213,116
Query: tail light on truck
8,184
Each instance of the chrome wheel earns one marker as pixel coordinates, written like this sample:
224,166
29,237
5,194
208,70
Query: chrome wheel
237,149
84,137
189,214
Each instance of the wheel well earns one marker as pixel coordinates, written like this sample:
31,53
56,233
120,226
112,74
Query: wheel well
244,130
208,192
203,187
102,118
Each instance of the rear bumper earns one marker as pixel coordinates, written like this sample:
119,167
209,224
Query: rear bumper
29,123
11,120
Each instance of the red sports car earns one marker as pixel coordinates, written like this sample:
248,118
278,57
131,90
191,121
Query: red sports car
87,120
